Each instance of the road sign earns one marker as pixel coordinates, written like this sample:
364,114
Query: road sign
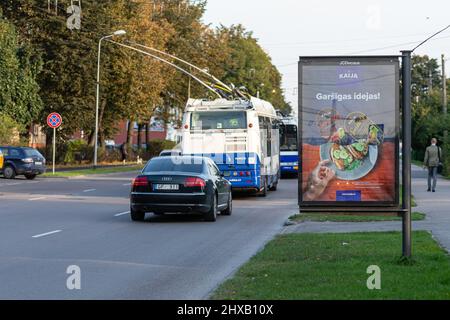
54,120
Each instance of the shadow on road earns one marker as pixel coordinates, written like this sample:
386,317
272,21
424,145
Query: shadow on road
174,218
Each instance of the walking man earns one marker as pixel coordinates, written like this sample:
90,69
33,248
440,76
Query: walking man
432,161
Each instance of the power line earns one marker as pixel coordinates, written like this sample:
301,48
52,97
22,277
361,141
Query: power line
429,38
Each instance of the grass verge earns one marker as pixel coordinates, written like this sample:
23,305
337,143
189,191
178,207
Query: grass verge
333,266
83,172
321,217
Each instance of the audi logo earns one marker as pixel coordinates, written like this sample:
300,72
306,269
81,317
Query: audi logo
167,178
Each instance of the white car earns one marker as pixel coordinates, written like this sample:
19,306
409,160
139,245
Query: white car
170,152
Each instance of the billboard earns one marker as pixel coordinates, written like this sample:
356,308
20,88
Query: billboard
349,131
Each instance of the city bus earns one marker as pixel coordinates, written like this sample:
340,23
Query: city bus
289,146
241,136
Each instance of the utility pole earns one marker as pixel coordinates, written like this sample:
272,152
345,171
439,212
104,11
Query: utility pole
406,152
444,87
430,81
444,106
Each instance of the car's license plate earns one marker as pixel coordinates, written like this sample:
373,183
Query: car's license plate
169,187
38,163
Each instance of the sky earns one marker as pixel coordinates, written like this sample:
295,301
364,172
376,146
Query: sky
287,29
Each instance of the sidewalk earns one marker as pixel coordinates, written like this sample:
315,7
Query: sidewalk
435,205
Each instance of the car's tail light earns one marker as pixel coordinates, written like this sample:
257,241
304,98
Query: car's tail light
248,173
28,160
194,182
140,182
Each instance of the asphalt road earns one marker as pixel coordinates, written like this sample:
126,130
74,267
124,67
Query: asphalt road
47,225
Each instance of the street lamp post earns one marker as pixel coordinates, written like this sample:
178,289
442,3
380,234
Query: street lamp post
117,33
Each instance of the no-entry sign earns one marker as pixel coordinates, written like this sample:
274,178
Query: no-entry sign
54,120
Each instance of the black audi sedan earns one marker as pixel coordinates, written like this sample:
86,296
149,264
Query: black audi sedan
22,161
185,184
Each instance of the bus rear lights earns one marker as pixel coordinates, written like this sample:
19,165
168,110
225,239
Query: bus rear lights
186,126
250,125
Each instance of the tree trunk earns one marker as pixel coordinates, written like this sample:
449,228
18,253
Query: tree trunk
147,136
139,137
129,131
101,136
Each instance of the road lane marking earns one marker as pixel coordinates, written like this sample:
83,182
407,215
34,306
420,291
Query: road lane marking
35,199
127,184
46,234
89,190
121,214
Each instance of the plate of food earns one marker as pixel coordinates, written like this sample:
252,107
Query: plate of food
350,158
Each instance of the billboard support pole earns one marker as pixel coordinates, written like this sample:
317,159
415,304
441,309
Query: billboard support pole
406,153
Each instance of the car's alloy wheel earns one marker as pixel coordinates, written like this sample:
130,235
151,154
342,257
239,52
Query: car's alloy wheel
211,215
229,210
9,172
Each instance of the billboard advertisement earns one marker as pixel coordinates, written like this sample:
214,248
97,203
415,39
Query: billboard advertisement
349,131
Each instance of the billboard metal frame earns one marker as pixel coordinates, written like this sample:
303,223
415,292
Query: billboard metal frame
394,207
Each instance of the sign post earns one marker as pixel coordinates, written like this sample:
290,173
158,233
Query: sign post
406,152
54,121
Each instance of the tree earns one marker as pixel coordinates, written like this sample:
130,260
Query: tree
249,65
19,97
9,130
427,118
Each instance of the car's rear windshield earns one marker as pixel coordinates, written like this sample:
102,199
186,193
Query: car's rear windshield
175,164
213,120
32,152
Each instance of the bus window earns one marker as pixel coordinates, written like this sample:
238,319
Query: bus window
212,120
288,137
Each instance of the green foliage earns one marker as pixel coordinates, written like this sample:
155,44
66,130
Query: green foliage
9,130
133,86
427,118
76,151
19,94
156,146
249,65
333,266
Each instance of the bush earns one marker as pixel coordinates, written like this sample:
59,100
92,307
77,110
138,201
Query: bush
76,151
155,147
9,130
